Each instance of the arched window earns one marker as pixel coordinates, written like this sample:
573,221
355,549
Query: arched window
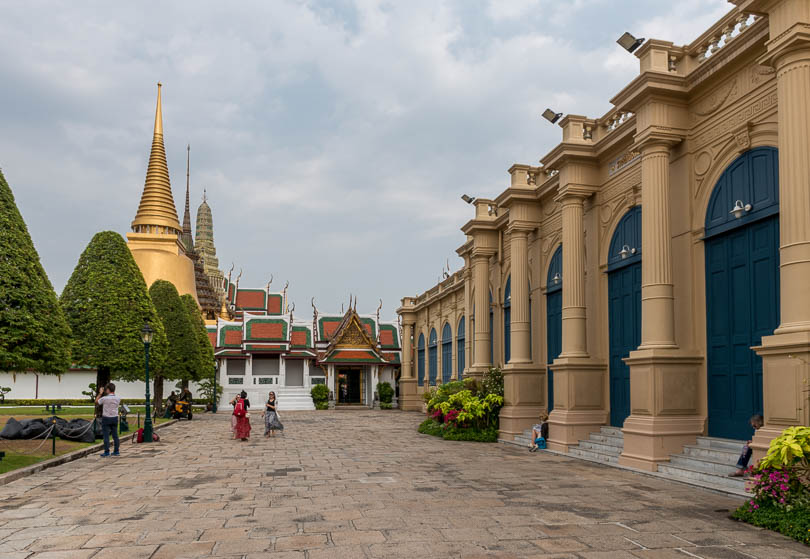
447,353
460,340
433,357
507,321
420,360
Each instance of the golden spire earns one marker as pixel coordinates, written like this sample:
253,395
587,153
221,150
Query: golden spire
157,209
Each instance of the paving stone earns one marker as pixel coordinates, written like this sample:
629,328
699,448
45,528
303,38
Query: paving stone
309,494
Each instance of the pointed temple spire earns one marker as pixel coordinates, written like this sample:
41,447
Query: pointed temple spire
157,212
188,240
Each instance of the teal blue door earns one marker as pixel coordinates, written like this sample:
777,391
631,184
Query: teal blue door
624,309
742,289
553,318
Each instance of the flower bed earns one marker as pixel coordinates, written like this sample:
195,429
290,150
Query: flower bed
781,487
465,410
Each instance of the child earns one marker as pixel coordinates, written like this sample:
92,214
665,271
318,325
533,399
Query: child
539,433
756,422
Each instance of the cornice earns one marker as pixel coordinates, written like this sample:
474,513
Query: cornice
565,152
647,84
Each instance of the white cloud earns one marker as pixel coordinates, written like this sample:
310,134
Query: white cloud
346,129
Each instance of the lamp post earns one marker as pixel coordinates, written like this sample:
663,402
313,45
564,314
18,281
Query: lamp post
146,336
214,395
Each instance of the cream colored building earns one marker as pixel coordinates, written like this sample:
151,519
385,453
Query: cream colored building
654,268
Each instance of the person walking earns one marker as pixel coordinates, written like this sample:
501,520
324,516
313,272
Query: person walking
109,403
240,411
271,420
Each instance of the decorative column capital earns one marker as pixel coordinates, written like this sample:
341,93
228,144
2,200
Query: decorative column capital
482,253
520,228
656,141
573,194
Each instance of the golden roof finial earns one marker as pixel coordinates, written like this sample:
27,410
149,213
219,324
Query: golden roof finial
157,207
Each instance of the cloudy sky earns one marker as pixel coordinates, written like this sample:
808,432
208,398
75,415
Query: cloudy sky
334,137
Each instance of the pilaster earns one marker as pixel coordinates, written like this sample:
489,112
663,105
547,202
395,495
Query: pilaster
786,354
408,398
482,358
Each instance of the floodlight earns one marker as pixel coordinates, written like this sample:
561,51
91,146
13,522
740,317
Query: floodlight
551,116
630,43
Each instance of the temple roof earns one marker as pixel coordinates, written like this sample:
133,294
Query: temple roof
157,203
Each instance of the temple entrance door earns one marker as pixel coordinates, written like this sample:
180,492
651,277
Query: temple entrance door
349,386
624,309
742,287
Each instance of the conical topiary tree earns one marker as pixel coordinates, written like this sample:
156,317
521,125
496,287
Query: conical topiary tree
34,334
183,354
204,367
107,304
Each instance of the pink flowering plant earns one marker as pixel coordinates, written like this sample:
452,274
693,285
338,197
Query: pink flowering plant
776,487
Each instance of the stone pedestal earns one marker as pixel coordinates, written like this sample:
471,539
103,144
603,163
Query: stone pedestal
409,400
664,406
785,385
579,401
523,396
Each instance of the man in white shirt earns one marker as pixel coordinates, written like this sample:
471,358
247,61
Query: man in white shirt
109,418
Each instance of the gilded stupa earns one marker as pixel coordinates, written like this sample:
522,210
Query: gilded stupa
207,251
155,240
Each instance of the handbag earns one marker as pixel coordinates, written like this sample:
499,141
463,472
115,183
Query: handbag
247,414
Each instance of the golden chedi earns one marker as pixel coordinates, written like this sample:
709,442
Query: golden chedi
155,240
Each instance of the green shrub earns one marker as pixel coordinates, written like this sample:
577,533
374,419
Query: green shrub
487,435
427,395
493,382
385,392
430,427
320,396
793,523
386,406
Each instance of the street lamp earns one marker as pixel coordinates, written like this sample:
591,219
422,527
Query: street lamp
214,395
146,335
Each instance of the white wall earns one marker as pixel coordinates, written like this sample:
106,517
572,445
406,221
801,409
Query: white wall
71,384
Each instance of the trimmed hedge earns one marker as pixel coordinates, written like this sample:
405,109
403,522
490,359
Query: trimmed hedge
66,402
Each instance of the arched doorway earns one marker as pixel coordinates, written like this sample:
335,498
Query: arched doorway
624,309
553,318
433,357
742,287
447,353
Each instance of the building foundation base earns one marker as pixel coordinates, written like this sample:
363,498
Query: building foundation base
409,400
523,398
649,440
785,377
579,397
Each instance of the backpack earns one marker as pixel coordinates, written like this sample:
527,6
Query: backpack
239,408
137,436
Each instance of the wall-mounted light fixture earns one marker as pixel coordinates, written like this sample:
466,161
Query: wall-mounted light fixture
629,43
626,252
551,116
467,198
739,209
556,279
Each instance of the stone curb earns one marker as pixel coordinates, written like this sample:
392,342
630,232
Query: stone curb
64,458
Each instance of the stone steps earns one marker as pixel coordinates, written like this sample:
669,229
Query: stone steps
707,463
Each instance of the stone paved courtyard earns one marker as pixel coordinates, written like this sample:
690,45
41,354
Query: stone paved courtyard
359,483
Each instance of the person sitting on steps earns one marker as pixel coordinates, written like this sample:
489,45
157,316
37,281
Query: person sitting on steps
756,422
539,433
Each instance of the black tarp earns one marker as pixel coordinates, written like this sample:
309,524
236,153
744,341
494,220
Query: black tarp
73,430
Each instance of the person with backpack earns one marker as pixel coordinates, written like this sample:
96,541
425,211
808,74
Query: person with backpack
240,412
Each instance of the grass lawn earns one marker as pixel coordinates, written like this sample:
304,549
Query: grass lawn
24,453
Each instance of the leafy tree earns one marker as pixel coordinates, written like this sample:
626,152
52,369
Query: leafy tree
183,353
204,367
34,334
106,303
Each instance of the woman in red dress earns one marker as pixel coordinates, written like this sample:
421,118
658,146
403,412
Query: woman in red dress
240,411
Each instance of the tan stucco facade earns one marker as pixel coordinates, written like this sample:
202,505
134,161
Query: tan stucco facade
674,130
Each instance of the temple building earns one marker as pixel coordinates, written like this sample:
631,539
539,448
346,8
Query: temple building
155,240
261,346
648,279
